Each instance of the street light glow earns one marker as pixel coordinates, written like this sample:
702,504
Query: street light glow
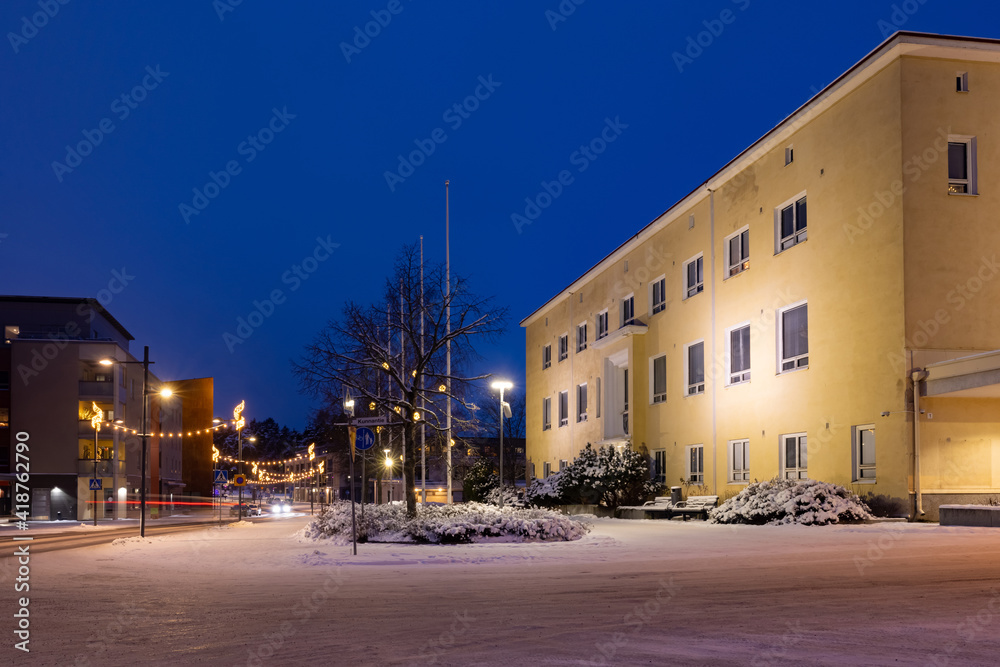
166,392
502,384
105,362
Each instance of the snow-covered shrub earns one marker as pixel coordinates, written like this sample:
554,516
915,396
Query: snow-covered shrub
510,496
783,501
606,476
446,524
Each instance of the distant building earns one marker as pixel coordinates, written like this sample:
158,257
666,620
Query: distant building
824,306
50,380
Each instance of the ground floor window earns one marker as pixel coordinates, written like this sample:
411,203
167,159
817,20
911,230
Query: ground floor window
794,450
660,466
695,464
739,461
864,452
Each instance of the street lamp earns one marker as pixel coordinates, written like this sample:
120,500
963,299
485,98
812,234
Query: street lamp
388,469
504,408
165,392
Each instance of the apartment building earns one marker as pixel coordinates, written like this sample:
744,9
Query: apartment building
778,319
51,377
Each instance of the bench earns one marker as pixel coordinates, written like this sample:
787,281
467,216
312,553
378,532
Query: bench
697,506
663,508
984,516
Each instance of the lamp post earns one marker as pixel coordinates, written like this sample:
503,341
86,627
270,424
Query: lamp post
388,472
504,408
95,421
240,422
145,428
349,409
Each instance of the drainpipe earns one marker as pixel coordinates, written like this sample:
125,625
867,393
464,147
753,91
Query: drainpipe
917,375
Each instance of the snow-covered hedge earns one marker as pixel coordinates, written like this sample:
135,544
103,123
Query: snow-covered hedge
445,524
783,501
606,476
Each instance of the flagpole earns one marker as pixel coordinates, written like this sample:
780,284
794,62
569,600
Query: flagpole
423,449
447,294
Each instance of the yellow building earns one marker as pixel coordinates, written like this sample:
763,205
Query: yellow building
774,321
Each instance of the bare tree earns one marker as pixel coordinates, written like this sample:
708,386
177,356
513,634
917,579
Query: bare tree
391,356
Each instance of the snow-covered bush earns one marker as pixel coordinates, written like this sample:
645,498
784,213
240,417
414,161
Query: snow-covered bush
510,496
606,476
783,501
445,524
479,481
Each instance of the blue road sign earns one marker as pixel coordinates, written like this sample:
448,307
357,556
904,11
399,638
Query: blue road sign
365,438
95,484
221,477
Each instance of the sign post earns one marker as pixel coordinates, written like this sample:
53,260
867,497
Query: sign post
352,432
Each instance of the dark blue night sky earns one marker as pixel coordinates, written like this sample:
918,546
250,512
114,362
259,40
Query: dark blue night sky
219,151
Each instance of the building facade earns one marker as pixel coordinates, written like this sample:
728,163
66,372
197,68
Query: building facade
776,320
51,377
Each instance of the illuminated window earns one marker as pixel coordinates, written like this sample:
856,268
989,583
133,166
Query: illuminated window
962,172
738,252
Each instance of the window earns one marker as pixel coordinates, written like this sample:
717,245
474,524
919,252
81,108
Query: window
546,413
658,378
4,380
628,310
563,408
739,354
738,252
546,469
694,358
793,338
581,337
4,417
597,403
794,456
791,224
563,347
694,280
962,172
789,155
695,464
602,324
581,402
660,466
11,331
562,464
739,461
962,82
863,438
658,294
546,356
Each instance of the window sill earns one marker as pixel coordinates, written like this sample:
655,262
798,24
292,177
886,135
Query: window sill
963,194
735,483
792,370
779,252
864,481
740,384
693,394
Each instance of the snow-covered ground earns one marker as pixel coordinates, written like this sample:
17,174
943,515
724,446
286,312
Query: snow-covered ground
629,593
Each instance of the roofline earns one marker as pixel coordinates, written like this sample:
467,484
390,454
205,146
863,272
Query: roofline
897,38
93,303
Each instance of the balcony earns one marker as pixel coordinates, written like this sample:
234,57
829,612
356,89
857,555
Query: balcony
98,389
105,468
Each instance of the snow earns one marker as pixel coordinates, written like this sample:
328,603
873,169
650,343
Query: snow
627,593
783,501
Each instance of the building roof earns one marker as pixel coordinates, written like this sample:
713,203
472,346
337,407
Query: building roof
819,102
93,303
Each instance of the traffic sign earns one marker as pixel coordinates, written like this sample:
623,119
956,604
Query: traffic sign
221,477
365,438
95,484
371,421
239,480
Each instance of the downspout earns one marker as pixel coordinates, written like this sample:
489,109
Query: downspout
570,345
711,245
917,375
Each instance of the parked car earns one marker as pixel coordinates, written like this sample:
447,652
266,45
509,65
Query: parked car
248,510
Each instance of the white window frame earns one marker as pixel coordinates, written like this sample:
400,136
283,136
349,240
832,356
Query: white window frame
564,347
962,82
660,466
547,413
864,473
654,396
546,356
597,398
739,461
563,464
801,468
546,469
742,263
581,345
691,290
736,377
658,285
781,243
789,154
797,361
581,402
694,476
601,325
971,183
698,387
627,304
563,408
